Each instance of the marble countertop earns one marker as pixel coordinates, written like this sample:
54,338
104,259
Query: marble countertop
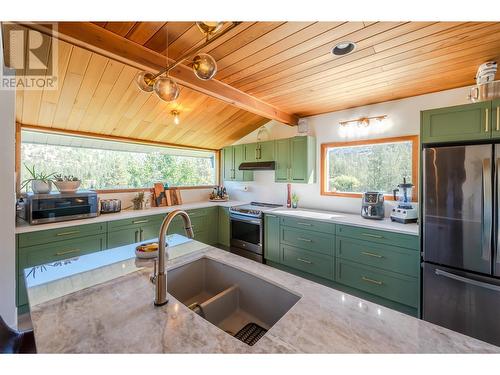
349,219
125,214
305,213
107,308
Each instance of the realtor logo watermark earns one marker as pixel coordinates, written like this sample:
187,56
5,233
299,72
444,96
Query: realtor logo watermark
31,57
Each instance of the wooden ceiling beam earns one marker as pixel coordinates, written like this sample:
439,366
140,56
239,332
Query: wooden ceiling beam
99,40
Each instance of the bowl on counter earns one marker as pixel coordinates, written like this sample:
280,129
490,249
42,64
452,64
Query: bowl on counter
67,186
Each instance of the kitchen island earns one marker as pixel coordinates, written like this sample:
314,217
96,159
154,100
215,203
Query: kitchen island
103,303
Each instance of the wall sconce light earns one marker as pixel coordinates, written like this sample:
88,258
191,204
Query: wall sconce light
363,121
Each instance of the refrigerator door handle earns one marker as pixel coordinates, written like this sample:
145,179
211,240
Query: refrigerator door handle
479,284
487,211
496,254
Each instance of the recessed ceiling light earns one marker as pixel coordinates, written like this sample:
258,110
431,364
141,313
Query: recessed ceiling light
343,48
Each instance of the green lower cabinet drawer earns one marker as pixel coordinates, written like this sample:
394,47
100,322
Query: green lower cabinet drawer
312,241
53,235
378,236
390,258
389,285
307,261
41,254
318,226
135,222
34,256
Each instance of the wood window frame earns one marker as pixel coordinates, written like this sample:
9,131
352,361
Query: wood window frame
414,161
18,166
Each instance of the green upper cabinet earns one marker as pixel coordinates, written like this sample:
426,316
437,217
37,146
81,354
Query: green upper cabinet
296,160
227,163
260,151
282,153
495,118
459,123
233,156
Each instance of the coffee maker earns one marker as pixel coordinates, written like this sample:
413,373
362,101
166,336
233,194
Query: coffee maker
372,205
404,212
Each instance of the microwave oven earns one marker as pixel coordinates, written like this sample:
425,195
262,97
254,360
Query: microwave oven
53,207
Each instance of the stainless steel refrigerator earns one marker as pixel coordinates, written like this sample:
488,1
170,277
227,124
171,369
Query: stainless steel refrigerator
461,239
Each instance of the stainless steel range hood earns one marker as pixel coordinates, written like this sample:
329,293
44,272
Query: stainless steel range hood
258,166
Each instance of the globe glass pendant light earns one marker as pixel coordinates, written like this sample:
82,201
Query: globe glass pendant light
166,89
204,66
209,27
145,81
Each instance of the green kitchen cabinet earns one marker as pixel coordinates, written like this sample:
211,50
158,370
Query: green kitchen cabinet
233,156
259,151
122,237
60,234
495,118
282,154
377,265
227,163
223,230
36,255
296,160
128,231
467,122
389,285
272,238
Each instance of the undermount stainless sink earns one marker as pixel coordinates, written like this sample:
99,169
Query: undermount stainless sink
241,304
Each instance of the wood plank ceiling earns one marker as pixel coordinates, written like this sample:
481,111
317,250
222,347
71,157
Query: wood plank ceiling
286,64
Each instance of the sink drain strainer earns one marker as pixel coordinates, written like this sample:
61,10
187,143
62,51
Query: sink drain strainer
251,333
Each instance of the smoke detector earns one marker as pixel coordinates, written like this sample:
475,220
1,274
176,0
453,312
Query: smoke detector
486,72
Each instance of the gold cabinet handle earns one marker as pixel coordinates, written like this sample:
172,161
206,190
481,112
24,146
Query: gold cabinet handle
371,254
66,252
304,239
368,280
306,224
140,221
498,118
372,235
68,233
304,261
486,128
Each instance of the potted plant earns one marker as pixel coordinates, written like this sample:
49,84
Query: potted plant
295,200
138,201
41,183
66,184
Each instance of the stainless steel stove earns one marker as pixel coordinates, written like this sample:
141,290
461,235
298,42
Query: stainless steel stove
247,229
254,209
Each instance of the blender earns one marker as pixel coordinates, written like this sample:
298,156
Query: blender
404,212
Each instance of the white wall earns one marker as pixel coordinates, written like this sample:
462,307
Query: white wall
403,119
7,203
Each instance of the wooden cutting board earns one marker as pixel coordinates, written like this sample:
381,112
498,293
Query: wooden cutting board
159,195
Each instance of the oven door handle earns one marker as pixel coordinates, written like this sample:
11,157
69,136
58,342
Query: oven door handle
246,220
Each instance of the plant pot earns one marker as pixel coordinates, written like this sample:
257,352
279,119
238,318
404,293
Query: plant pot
67,186
41,187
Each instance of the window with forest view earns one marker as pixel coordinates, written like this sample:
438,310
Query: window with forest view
103,164
375,165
